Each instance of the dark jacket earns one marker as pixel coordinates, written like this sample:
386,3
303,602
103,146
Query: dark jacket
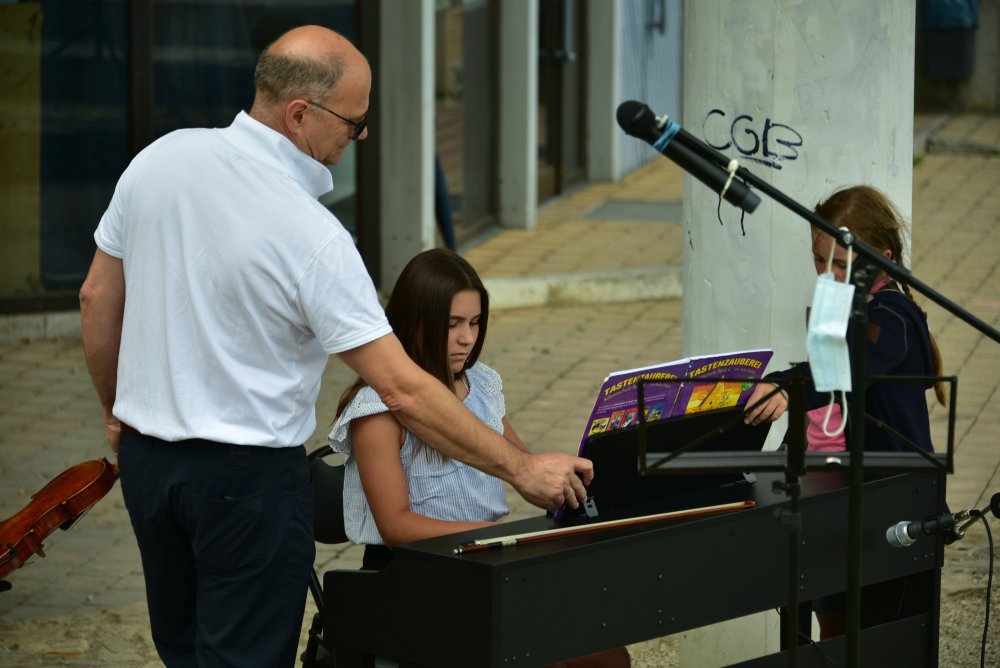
898,345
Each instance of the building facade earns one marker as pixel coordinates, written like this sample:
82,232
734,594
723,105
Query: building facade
514,101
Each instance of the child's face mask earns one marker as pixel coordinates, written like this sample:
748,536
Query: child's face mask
826,337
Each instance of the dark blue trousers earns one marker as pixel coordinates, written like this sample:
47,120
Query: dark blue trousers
226,538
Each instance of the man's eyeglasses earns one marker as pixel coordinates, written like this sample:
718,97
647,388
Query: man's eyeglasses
359,126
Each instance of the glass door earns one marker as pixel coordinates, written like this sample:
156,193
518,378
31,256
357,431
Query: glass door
465,136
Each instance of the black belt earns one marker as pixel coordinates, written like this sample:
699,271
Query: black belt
129,429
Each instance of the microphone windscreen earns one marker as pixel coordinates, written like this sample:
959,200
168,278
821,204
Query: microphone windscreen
637,119
897,536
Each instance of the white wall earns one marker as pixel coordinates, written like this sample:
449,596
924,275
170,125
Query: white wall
650,66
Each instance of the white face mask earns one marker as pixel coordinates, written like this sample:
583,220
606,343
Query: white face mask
826,336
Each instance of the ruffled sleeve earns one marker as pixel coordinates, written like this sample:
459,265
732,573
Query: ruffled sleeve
366,402
486,396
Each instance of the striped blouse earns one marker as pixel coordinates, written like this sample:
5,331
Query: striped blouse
441,488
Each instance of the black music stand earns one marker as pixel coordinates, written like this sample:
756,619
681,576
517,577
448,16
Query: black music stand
624,490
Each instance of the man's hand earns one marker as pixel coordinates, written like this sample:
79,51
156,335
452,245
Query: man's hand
549,480
759,409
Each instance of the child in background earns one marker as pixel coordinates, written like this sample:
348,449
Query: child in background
398,489
899,344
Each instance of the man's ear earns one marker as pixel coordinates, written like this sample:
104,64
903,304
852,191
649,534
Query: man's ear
887,253
295,112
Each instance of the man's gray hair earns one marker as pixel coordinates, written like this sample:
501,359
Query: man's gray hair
280,77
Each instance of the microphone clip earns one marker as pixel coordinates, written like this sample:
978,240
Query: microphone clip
904,534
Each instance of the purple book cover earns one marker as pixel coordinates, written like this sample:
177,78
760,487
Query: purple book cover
617,401
728,381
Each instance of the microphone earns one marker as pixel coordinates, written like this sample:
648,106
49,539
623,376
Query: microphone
904,534
638,120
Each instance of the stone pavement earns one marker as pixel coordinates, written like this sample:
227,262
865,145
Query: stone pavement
593,253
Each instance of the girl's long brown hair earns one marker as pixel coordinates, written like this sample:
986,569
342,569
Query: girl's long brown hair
873,218
419,311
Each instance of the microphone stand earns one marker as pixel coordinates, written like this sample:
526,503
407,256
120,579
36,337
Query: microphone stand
874,262
795,467
863,276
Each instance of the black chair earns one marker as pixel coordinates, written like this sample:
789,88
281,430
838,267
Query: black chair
328,528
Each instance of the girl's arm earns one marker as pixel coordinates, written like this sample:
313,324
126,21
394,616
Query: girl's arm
377,440
758,409
511,435
888,338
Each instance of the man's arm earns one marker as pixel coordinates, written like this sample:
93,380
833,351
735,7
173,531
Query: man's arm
102,306
426,407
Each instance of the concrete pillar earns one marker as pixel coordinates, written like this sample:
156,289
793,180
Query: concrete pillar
518,97
405,87
809,97
604,37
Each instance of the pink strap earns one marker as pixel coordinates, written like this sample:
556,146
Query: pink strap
880,284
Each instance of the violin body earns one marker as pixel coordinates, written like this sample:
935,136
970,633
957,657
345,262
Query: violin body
57,505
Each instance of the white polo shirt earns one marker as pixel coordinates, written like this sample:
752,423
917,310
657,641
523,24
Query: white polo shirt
239,284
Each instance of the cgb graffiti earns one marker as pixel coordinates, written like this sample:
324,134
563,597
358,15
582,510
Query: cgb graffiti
768,143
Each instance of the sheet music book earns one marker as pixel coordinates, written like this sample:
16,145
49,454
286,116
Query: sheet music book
672,389
682,400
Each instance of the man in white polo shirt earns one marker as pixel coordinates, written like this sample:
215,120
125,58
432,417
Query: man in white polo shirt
219,288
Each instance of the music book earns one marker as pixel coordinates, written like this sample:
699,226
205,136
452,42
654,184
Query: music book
675,389
682,401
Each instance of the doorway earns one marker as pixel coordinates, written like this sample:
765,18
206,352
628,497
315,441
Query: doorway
464,113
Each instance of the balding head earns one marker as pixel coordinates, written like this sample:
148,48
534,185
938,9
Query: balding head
305,79
307,41
308,61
